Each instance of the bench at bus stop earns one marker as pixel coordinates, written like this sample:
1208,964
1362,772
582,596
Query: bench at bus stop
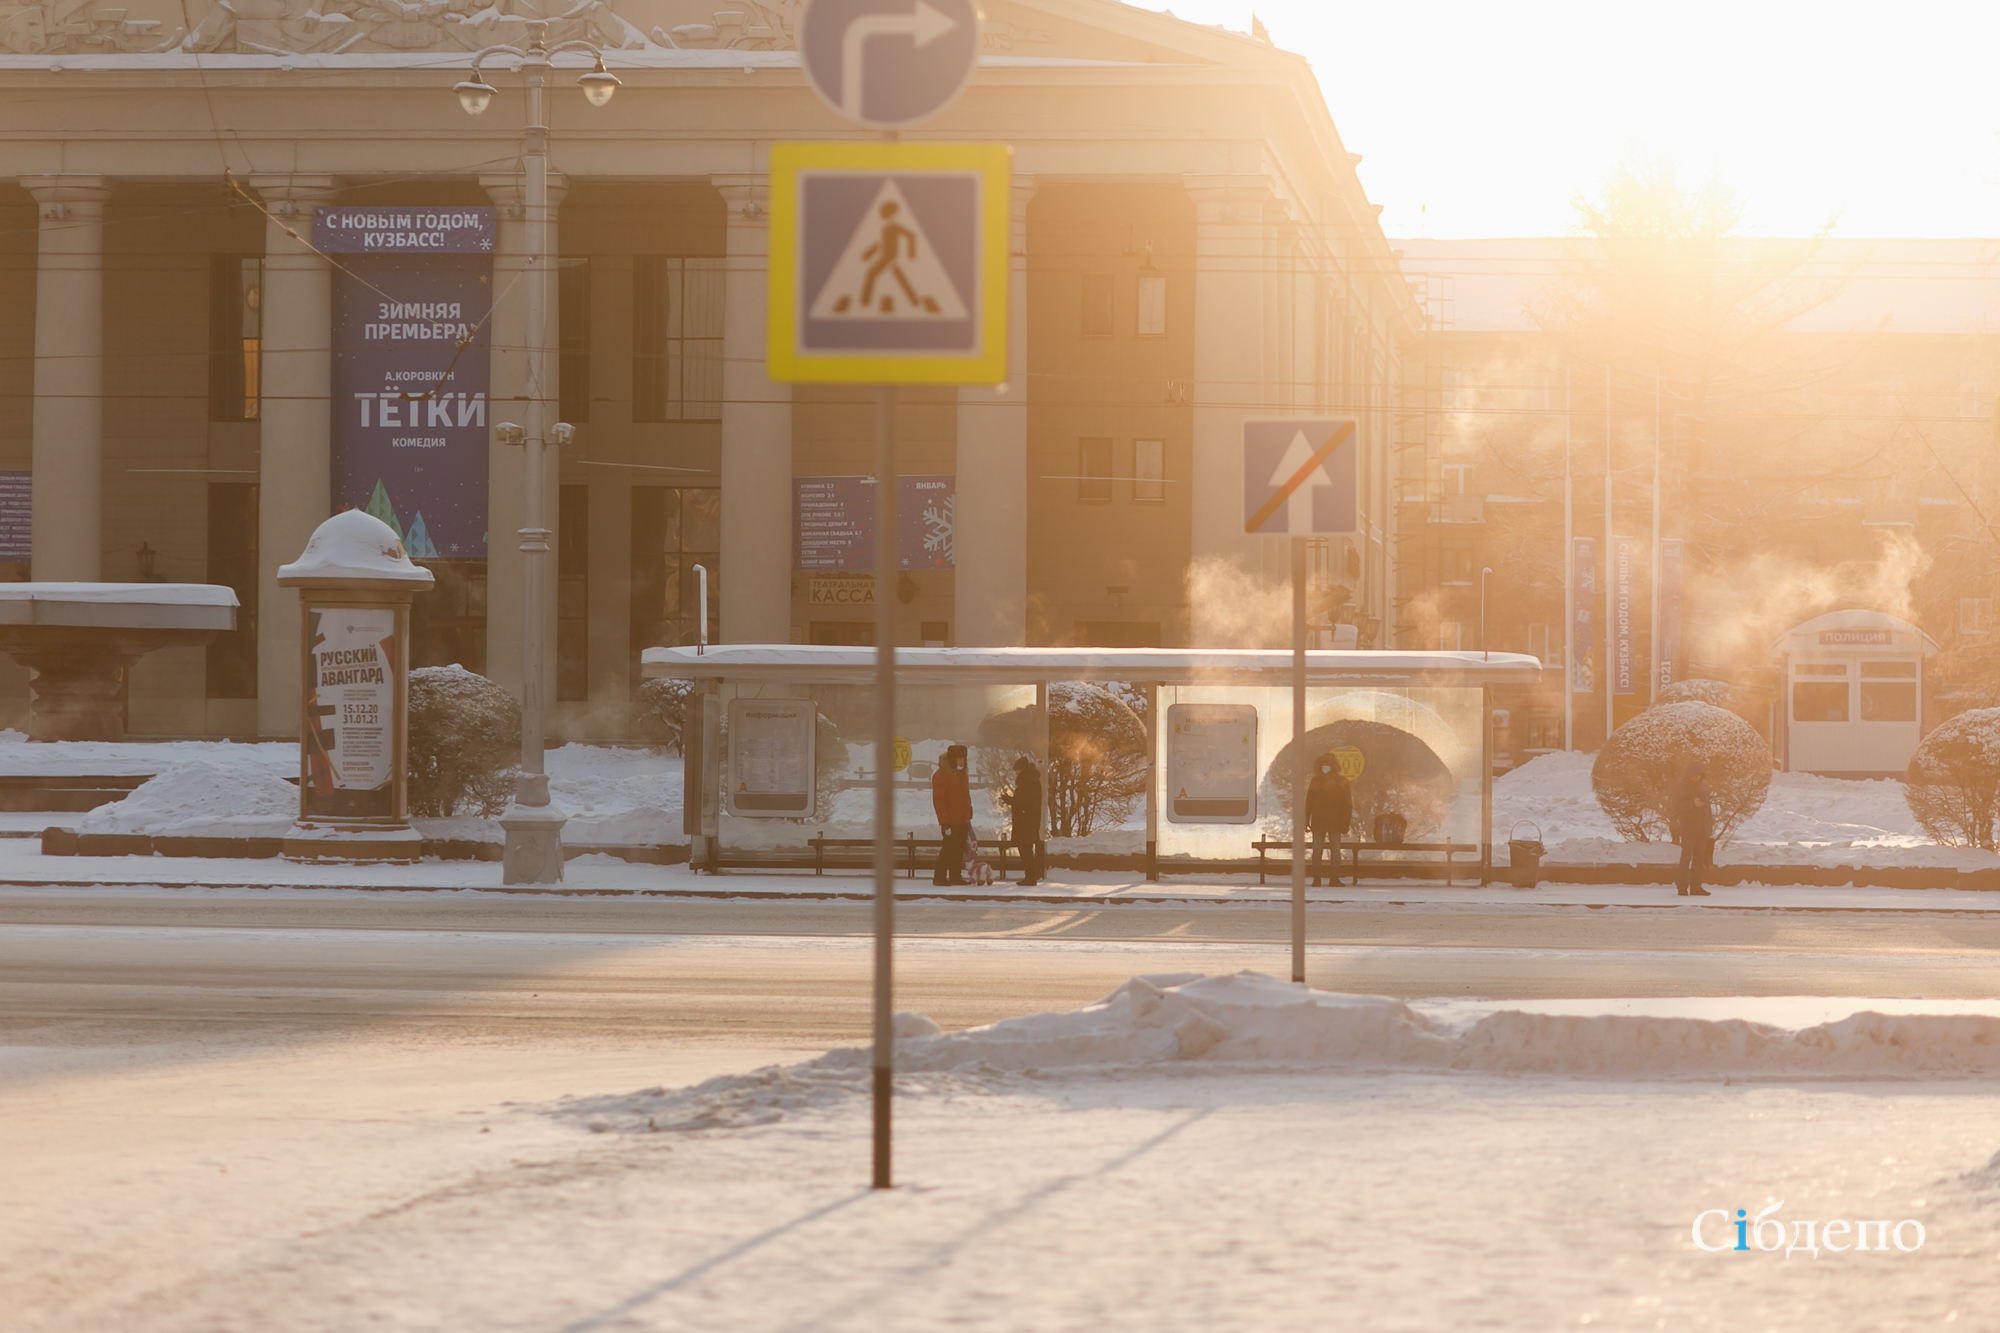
912,854
1452,852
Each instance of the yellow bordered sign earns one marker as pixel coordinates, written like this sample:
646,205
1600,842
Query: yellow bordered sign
889,262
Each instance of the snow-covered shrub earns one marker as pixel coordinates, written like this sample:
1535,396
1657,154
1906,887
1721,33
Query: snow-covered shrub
1636,770
659,711
1720,693
1097,759
1953,782
465,737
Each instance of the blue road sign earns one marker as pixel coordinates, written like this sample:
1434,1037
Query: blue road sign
1301,478
889,63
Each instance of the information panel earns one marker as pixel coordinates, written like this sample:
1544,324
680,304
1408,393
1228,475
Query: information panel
833,523
412,370
1212,763
772,759
351,701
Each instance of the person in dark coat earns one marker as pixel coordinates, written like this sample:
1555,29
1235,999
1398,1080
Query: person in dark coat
951,799
1026,803
1691,812
1329,810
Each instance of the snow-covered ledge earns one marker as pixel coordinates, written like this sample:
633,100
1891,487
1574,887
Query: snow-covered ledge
79,639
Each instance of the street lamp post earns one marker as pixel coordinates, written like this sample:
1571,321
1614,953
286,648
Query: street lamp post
534,827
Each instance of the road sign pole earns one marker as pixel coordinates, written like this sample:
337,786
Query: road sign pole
1301,766
885,773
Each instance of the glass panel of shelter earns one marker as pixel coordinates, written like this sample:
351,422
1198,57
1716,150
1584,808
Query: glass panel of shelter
1422,754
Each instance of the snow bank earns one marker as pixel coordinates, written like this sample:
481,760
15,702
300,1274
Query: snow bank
1252,1020
203,797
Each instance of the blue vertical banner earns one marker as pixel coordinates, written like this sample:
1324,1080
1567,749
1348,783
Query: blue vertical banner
1670,610
412,369
1583,629
1624,670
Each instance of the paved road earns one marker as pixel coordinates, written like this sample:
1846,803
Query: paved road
192,1079
113,967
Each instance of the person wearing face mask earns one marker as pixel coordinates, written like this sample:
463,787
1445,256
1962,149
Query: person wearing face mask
951,800
1329,810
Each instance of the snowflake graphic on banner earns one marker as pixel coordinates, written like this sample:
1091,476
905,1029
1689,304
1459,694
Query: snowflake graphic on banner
938,528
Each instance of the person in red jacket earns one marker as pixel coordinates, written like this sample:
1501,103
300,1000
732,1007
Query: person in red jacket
951,798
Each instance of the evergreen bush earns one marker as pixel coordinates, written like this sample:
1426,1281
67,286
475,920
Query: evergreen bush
465,743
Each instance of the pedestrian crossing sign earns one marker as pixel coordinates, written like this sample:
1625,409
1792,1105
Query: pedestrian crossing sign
889,262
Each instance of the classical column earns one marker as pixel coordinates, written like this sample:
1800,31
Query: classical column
68,511
518,375
756,434
990,586
294,484
1230,383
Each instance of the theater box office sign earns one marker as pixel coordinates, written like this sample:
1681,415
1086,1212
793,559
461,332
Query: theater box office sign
412,296
355,581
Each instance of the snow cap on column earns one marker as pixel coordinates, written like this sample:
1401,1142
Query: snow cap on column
354,544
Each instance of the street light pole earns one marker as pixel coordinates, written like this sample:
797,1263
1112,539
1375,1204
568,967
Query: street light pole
534,852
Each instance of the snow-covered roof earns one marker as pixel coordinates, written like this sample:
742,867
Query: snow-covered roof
1166,666
1855,631
119,605
354,544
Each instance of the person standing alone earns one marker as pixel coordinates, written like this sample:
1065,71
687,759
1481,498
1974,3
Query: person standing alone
1691,810
951,800
1329,810
1026,803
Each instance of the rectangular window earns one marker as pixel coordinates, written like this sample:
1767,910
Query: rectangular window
1093,469
573,331
674,529
1457,567
1152,305
1975,615
1540,646
1451,636
232,563
235,337
676,338
1888,701
1149,470
1097,289
573,593
1819,701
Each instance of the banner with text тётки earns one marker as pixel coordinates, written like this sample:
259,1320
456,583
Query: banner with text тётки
413,289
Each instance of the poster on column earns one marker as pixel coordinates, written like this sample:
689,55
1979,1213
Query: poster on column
412,292
351,702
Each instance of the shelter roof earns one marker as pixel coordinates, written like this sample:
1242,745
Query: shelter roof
1165,666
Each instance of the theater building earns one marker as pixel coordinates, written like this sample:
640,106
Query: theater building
202,356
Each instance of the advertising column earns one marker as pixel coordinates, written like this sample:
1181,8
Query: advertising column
413,289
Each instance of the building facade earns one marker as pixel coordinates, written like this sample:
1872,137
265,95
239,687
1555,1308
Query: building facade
1839,457
1192,247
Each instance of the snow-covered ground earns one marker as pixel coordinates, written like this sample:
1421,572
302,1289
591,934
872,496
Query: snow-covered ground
1321,1162
613,795
1806,820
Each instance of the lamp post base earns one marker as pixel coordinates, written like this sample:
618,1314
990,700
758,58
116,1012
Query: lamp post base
534,852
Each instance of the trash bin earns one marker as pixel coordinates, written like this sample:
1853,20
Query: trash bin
1524,856
1389,829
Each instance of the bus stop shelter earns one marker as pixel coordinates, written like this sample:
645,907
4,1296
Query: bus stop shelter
779,746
